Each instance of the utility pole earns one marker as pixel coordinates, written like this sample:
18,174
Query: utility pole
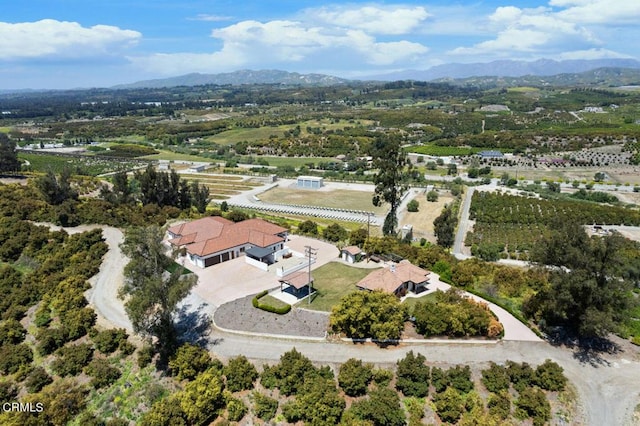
311,253
366,242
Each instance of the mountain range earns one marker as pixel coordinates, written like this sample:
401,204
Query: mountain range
505,71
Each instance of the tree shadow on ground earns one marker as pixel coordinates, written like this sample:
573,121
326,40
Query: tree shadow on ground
193,325
587,350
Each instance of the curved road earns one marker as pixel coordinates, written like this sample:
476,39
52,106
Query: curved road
608,387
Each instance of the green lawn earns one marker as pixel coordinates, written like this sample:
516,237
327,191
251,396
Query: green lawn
173,156
296,162
333,281
234,136
410,302
272,301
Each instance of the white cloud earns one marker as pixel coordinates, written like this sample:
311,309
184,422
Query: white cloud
605,12
48,38
592,54
372,19
210,18
536,32
283,43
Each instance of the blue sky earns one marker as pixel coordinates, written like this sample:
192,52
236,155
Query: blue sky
86,43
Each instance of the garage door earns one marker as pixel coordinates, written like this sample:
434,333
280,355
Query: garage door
225,256
214,260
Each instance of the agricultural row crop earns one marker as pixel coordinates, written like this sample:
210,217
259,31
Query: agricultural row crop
516,222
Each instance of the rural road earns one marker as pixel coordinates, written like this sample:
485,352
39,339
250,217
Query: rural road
608,387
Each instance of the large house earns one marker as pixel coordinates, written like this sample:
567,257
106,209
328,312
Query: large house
397,279
212,240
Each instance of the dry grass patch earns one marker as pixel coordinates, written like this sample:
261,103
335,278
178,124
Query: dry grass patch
337,198
422,220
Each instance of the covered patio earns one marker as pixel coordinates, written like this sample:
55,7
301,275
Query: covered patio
264,255
297,284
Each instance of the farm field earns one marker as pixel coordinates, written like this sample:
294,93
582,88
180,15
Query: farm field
221,187
251,134
443,151
295,161
516,222
333,281
336,198
92,166
175,156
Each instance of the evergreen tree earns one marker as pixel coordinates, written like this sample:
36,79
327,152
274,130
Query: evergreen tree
152,293
8,156
445,227
394,171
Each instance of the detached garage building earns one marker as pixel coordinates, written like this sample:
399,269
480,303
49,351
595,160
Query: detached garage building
212,240
310,182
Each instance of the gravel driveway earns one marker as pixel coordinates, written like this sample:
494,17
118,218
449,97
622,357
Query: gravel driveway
241,315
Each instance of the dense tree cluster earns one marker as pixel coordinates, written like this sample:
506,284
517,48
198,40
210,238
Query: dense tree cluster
589,286
369,314
453,314
159,188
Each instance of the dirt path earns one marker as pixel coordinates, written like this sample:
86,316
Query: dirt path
103,294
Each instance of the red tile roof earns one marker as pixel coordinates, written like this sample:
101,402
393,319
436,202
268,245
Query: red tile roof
213,234
388,281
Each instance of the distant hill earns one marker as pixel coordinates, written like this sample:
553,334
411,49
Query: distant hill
239,78
507,68
600,77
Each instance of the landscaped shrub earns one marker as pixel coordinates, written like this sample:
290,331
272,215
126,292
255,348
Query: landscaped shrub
382,377
449,405
439,379
521,375
460,378
263,406
354,377
145,355
499,405
236,409
102,373
8,392
266,307
412,375
11,332
495,378
240,374
452,314
381,408
533,403
13,357
51,339
37,379
70,360
108,341
189,361
550,376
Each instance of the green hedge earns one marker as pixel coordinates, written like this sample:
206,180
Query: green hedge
265,307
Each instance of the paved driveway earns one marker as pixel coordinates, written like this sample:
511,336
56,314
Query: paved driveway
234,279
